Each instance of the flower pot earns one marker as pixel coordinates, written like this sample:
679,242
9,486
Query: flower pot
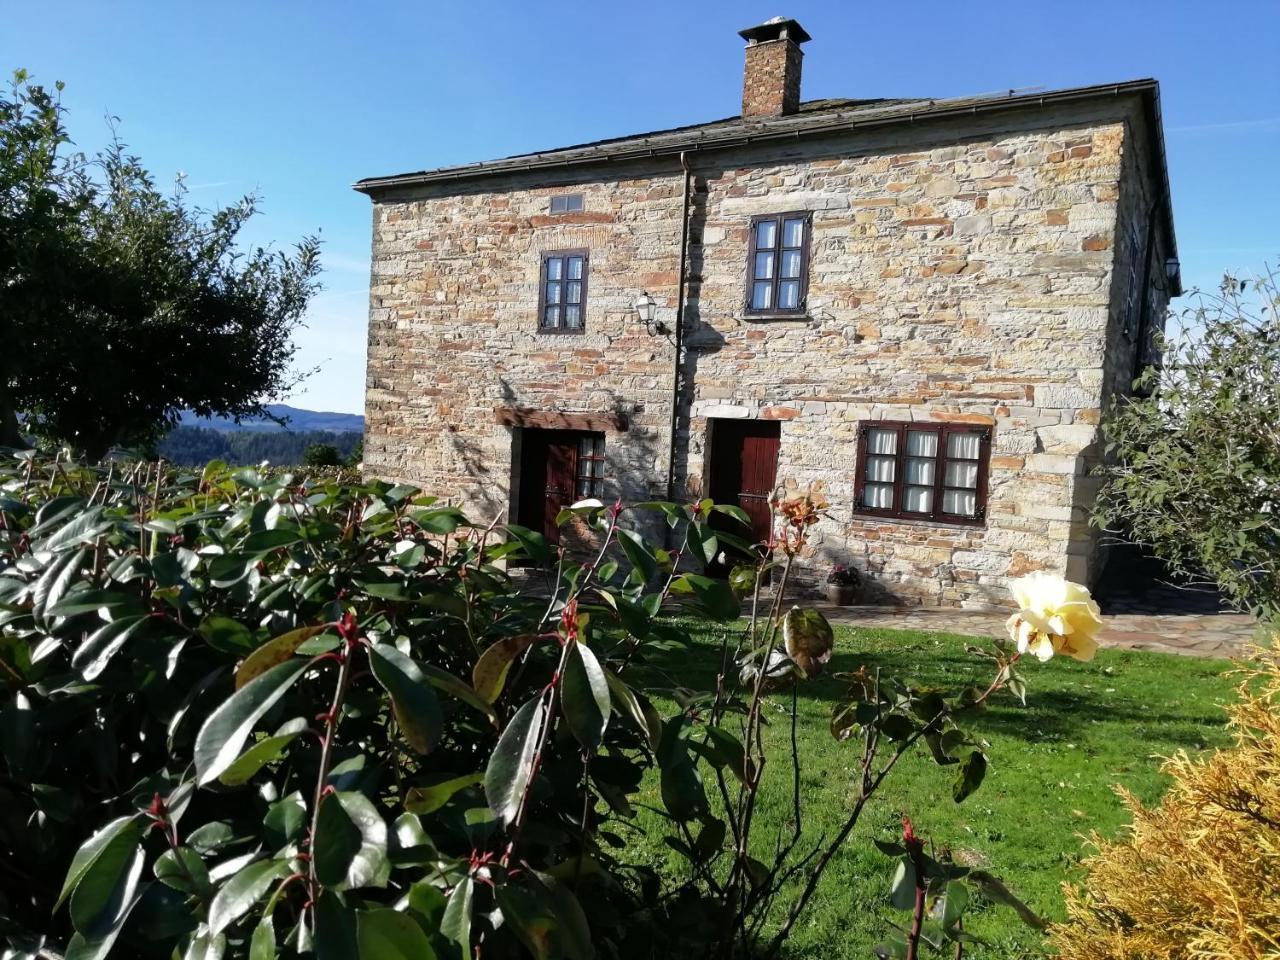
841,594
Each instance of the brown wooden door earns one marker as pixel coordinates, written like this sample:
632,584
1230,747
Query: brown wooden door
548,469
744,470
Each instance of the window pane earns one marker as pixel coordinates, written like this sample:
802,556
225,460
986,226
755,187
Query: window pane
791,263
788,294
878,496
573,202
881,469
599,446
793,233
584,489
553,293
917,499
597,468
585,446
962,474
573,316
551,318
882,441
962,503
766,234
554,266
964,445
762,296
559,204
574,292
764,266
922,443
920,471
575,268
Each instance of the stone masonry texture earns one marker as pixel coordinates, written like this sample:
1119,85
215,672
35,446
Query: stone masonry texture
771,79
980,271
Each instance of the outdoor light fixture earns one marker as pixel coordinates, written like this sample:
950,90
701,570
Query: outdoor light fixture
646,309
1171,269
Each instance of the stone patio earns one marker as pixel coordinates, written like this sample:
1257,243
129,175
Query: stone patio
1142,607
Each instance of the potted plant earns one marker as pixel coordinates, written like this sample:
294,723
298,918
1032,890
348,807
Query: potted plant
842,585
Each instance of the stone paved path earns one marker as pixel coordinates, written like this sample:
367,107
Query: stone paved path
1192,634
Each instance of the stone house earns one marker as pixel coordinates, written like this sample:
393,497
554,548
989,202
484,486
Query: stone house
927,304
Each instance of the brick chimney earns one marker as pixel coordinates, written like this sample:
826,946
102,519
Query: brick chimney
771,80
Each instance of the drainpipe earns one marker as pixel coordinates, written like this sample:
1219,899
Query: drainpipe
679,337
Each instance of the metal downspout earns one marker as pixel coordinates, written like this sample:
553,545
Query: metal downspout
679,337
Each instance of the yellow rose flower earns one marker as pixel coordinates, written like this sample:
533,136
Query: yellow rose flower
1054,616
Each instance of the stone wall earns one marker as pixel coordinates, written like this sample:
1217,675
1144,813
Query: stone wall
957,273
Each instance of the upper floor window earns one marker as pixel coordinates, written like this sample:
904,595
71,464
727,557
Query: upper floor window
923,471
566,203
562,298
778,263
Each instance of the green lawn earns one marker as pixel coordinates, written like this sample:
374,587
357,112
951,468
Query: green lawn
1086,727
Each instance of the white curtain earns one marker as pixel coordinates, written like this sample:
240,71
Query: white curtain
961,503
882,441
962,474
964,445
878,496
881,469
922,444
917,499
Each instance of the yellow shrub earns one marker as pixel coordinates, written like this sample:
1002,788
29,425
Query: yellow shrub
1199,875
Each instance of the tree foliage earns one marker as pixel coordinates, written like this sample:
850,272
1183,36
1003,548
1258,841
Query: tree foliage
246,715
195,446
323,454
1199,874
1195,469
123,304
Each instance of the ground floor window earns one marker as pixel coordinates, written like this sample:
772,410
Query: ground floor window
590,467
923,471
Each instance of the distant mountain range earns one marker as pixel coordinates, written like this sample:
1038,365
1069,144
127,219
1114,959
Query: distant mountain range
299,421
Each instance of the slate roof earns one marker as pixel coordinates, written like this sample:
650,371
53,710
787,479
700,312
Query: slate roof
814,117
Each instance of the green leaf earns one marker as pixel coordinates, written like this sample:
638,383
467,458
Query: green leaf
336,843
714,596
730,510
627,699
263,944
443,680
638,553
531,915
490,672
219,741
413,701
238,895
902,891
533,543
511,763
431,797
261,753
87,601
585,694
94,848
969,777
701,542
226,635
370,867
182,869
954,903
273,652
385,934
106,889
993,889
335,929
284,820
206,947
264,541
455,925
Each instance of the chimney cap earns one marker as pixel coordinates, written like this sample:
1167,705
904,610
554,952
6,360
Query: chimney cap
779,28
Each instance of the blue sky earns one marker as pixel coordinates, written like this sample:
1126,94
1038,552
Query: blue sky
298,100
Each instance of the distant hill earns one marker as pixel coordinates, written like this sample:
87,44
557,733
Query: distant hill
197,440
299,421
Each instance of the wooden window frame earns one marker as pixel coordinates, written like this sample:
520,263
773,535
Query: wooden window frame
777,249
595,485
943,432
548,255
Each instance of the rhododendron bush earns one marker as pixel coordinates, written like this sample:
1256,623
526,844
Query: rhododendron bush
252,715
